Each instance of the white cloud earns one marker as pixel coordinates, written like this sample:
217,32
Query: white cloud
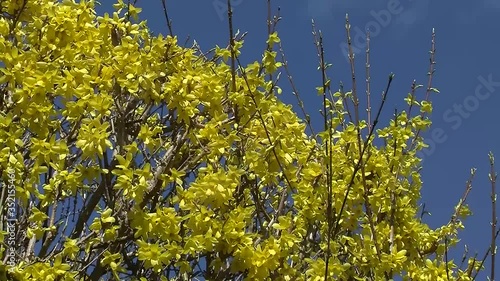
472,11
361,4
468,16
492,4
324,9
408,17
413,12
320,9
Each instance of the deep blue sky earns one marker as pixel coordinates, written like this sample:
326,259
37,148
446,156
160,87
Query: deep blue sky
468,44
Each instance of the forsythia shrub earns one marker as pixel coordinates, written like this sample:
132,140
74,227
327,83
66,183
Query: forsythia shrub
138,159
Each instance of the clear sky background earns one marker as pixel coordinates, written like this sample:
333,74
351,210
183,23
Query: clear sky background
468,46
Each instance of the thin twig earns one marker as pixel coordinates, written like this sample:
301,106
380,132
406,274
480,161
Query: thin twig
429,81
231,43
329,203
366,142
468,188
354,93
165,12
464,256
357,167
493,178
484,258
273,146
367,65
446,258
295,91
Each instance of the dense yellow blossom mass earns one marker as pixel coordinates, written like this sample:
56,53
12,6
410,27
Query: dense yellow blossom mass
136,159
